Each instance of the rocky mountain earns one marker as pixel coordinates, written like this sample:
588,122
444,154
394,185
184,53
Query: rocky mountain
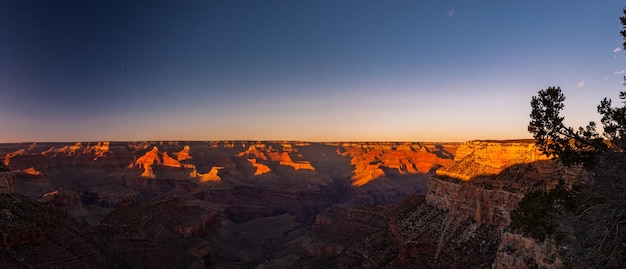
462,221
245,204
155,234
223,186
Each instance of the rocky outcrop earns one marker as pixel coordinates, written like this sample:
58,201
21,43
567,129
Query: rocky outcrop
245,181
32,171
518,251
482,205
259,167
34,235
183,154
61,198
147,160
485,183
286,160
479,158
487,179
7,180
156,234
336,229
253,152
212,175
411,234
375,160
462,220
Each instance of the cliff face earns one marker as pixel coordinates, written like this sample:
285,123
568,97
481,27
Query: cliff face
108,172
34,235
479,159
157,234
375,160
517,251
485,183
486,180
243,188
462,221
485,206
411,234
232,182
7,180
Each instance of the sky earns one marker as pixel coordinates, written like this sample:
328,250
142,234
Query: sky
311,70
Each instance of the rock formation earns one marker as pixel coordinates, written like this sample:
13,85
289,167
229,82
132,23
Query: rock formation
479,158
487,179
260,168
212,175
35,235
518,251
371,161
315,191
286,160
183,154
162,233
7,180
462,220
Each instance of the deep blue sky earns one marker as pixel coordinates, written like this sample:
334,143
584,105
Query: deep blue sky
299,70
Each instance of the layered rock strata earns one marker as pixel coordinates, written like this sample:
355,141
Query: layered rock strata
486,182
518,251
487,179
462,221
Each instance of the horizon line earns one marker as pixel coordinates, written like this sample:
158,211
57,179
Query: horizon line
518,140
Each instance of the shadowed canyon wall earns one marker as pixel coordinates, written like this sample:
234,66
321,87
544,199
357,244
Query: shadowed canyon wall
327,204
228,184
7,180
462,221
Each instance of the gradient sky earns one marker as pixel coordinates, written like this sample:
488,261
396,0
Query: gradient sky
299,70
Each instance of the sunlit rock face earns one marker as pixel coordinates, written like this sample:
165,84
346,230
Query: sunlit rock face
285,159
375,160
260,156
463,218
478,158
32,171
379,173
239,181
253,152
487,179
212,175
259,167
147,160
183,154
485,183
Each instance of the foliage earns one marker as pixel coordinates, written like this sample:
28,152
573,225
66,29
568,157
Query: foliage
591,227
534,213
557,140
623,32
589,220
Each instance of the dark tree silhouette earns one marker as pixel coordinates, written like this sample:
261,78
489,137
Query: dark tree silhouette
623,32
557,140
591,231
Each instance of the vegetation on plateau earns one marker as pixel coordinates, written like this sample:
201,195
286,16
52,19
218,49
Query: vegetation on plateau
589,220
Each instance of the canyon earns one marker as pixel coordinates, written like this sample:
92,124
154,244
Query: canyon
277,204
